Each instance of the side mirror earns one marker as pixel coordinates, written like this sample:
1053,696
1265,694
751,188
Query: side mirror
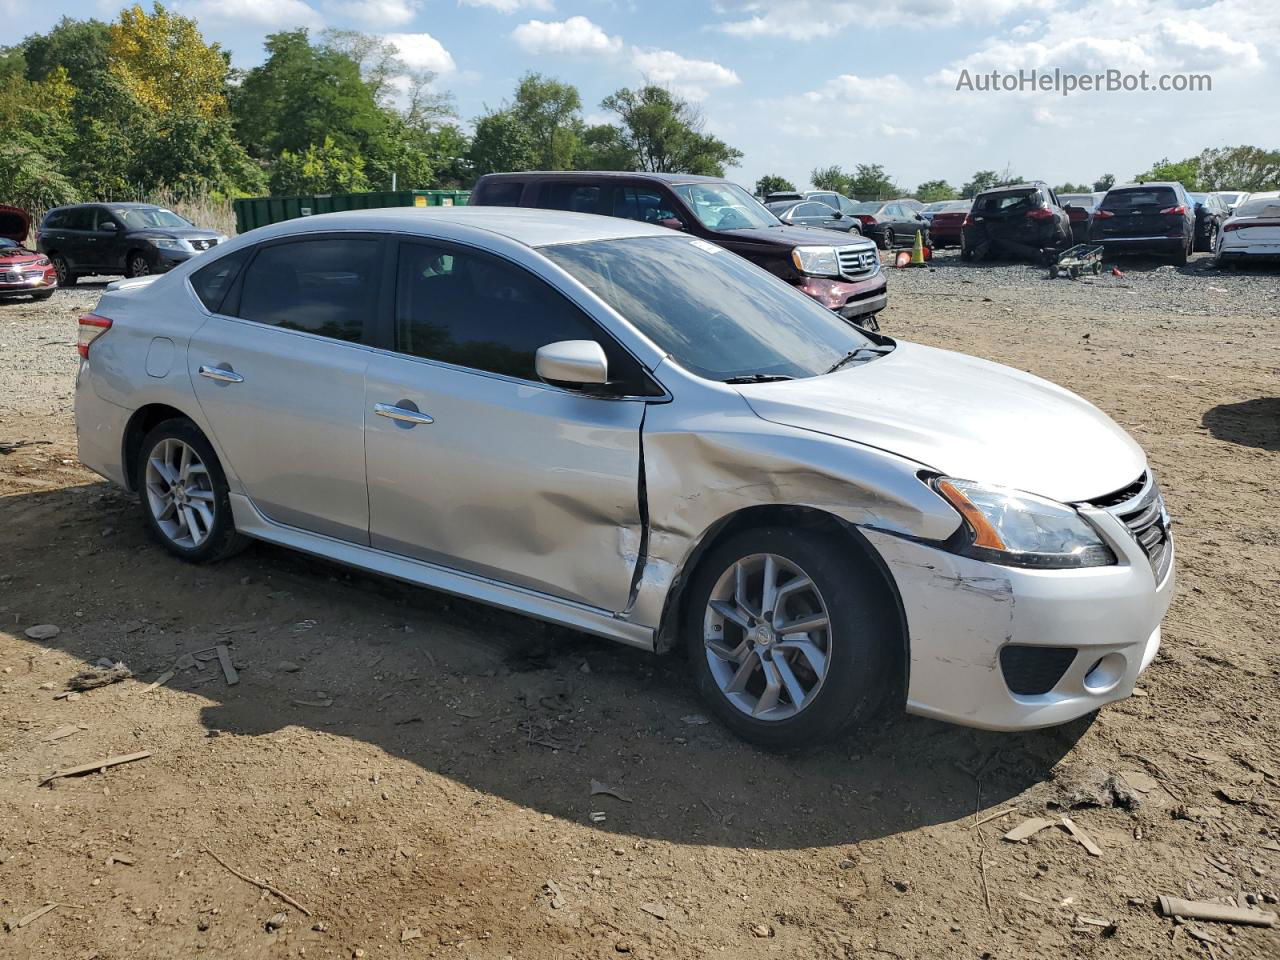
572,363
837,215
109,226
671,223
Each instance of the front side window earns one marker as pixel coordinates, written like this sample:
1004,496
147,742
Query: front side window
638,203
725,206
717,315
324,286
474,310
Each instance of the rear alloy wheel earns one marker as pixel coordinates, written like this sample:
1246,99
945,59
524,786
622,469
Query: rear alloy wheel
888,240
789,642
63,269
138,265
184,494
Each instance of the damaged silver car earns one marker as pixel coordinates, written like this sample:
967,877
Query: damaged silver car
635,433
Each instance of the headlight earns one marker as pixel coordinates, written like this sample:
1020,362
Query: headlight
166,243
42,262
222,238
816,261
1021,530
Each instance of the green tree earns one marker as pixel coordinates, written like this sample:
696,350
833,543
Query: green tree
933,190
501,144
80,47
163,61
1070,187
604,147
1104,183
549,110
665,133
830,178
326,168
1187,172
772,183
870,182
1239,168
29,180
988,180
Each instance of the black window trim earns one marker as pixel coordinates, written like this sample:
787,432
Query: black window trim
386,344
231,299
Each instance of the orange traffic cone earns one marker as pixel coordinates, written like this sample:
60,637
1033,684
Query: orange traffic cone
1115,272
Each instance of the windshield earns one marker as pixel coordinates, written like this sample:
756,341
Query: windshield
145,218
867,206
725,206
7,244
717,315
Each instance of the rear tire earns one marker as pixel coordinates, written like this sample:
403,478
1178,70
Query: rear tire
184,495
887,240
1180,258
774,688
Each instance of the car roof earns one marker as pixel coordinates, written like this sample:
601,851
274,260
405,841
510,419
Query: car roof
605,174
530,226
1150,183
1029,185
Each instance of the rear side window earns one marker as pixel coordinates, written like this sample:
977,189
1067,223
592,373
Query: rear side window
813,210
500,193
1151,200
212,282
645,205
326,286
79,218
477,311
574,197
56,220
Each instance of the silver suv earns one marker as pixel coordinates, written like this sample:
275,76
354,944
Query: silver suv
639,434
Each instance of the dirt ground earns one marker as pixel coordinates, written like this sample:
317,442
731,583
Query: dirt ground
416,771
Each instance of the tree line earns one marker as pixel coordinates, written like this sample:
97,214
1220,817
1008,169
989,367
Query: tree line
141,105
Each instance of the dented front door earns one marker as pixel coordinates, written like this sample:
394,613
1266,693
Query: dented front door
507,479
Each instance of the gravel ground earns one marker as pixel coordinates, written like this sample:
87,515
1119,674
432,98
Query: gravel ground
416,771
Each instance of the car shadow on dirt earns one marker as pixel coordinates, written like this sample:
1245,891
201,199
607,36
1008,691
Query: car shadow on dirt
497,702
1250,423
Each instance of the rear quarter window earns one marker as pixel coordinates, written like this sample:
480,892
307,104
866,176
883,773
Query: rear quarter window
498,193
212,282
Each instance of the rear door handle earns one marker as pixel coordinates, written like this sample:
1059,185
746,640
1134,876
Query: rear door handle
402,414
221,374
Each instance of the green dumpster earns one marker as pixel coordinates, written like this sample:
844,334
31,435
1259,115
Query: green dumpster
253,212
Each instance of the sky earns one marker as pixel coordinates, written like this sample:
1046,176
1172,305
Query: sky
799,84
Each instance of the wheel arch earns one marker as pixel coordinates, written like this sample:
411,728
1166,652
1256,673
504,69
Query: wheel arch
143,421
802,517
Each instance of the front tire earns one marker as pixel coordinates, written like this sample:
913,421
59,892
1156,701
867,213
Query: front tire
138,265
184,495
63,269
789,641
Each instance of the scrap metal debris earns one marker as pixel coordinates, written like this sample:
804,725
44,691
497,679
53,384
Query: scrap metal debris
96,677
598,788
1215,912
31,917
157,682
228,670
1085,840
1027,829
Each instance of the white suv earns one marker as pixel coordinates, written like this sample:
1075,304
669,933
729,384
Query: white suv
638,434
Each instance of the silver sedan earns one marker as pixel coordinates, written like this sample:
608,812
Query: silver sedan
628,431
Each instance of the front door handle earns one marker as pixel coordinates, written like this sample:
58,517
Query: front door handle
221,374
402,414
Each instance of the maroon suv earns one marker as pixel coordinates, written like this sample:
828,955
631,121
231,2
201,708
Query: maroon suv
841,273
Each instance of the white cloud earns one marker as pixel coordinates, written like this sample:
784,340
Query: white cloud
257,13
889,130
510,6
576,36
421,51
694,79
391,13
804,19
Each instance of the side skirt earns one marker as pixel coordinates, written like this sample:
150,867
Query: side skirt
565,613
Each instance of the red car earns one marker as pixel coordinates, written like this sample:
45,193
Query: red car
23,272
946,222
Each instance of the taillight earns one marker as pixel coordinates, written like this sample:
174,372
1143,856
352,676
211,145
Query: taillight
1040,213
867,219
1102,214
968,221
1179,211
92,327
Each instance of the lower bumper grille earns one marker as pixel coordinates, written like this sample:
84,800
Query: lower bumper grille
1030,671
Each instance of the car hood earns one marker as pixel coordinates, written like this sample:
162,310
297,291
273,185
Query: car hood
966,418
175,233
796,236
18,257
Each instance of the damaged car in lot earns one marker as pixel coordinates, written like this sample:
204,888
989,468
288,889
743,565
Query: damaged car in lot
1021,220
1252,233
23,272
629,431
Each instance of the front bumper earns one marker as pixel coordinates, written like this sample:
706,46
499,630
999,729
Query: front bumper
849,299
961,613
46,280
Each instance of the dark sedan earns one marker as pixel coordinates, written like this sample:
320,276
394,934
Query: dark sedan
1211,214
811,213
890,223
1150,218
133,239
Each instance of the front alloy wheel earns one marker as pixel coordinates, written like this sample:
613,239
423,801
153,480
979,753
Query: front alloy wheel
138,266
767,635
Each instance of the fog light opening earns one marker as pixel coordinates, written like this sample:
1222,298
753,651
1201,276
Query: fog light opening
1105,673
